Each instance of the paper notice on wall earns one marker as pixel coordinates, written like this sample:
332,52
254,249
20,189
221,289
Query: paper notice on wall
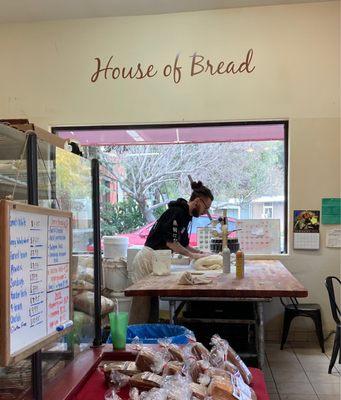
259,236
333,238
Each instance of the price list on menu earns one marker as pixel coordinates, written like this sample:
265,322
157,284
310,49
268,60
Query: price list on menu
39,276
28,257
58,272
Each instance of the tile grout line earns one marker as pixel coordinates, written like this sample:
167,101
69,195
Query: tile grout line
305,373
273,378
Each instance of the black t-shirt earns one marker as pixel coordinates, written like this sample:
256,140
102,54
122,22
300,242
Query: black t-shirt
172,226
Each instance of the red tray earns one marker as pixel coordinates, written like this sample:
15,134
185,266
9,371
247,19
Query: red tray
95,387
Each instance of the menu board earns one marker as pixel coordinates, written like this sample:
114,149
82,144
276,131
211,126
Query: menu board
35,278
259,236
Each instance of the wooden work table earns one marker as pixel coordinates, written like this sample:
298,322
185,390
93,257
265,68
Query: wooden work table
263,280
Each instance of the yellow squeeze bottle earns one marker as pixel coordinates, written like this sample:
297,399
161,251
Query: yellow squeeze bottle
239,264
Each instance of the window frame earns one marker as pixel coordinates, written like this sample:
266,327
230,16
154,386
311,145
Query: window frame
285,124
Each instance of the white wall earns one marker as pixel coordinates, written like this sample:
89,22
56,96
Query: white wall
45,75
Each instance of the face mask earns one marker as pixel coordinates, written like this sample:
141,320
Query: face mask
195,213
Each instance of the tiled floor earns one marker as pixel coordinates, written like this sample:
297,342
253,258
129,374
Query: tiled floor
300,372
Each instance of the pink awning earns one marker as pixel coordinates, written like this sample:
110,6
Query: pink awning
208,134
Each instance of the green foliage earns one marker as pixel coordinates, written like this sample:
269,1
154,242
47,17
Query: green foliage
73,176
122,217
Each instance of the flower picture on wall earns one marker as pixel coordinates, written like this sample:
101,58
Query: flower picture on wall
307,221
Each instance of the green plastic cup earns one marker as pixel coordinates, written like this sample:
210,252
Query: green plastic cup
118,329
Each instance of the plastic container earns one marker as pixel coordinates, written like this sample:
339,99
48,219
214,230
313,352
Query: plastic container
124,303
118,329
115,274
239,264
162,264
226,260
115,247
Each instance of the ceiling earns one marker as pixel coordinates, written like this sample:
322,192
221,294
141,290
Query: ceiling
44,10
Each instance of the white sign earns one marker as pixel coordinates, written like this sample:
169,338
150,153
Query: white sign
28,241
333,238
39,276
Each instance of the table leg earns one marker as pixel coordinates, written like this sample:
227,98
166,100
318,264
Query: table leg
154,310
172,305
260,338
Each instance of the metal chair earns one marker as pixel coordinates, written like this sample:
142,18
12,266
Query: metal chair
296,309
336,315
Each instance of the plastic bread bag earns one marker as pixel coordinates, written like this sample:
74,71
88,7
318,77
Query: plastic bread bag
204,380
199,351
134,394
146,381
177,387
223,389
244,387
125,367
111,395
232,369
217,356
136,343
217,360
149,360
164,343
154,394
235,380
173,368
197,369
204,373
118,380
174,352
198,391
233,357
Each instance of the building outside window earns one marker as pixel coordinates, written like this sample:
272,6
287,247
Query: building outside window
268,210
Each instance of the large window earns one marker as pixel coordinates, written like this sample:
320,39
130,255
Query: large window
245,165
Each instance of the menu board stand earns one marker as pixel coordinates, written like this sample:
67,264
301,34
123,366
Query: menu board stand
35,253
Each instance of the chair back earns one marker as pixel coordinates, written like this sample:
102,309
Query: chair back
333,304
293,300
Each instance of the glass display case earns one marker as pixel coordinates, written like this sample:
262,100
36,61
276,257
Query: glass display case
14,380
64,182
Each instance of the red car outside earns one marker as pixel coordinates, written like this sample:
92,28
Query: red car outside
139,236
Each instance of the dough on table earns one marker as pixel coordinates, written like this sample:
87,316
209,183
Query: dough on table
214,261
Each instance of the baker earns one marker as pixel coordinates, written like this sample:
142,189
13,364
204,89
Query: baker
170,231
